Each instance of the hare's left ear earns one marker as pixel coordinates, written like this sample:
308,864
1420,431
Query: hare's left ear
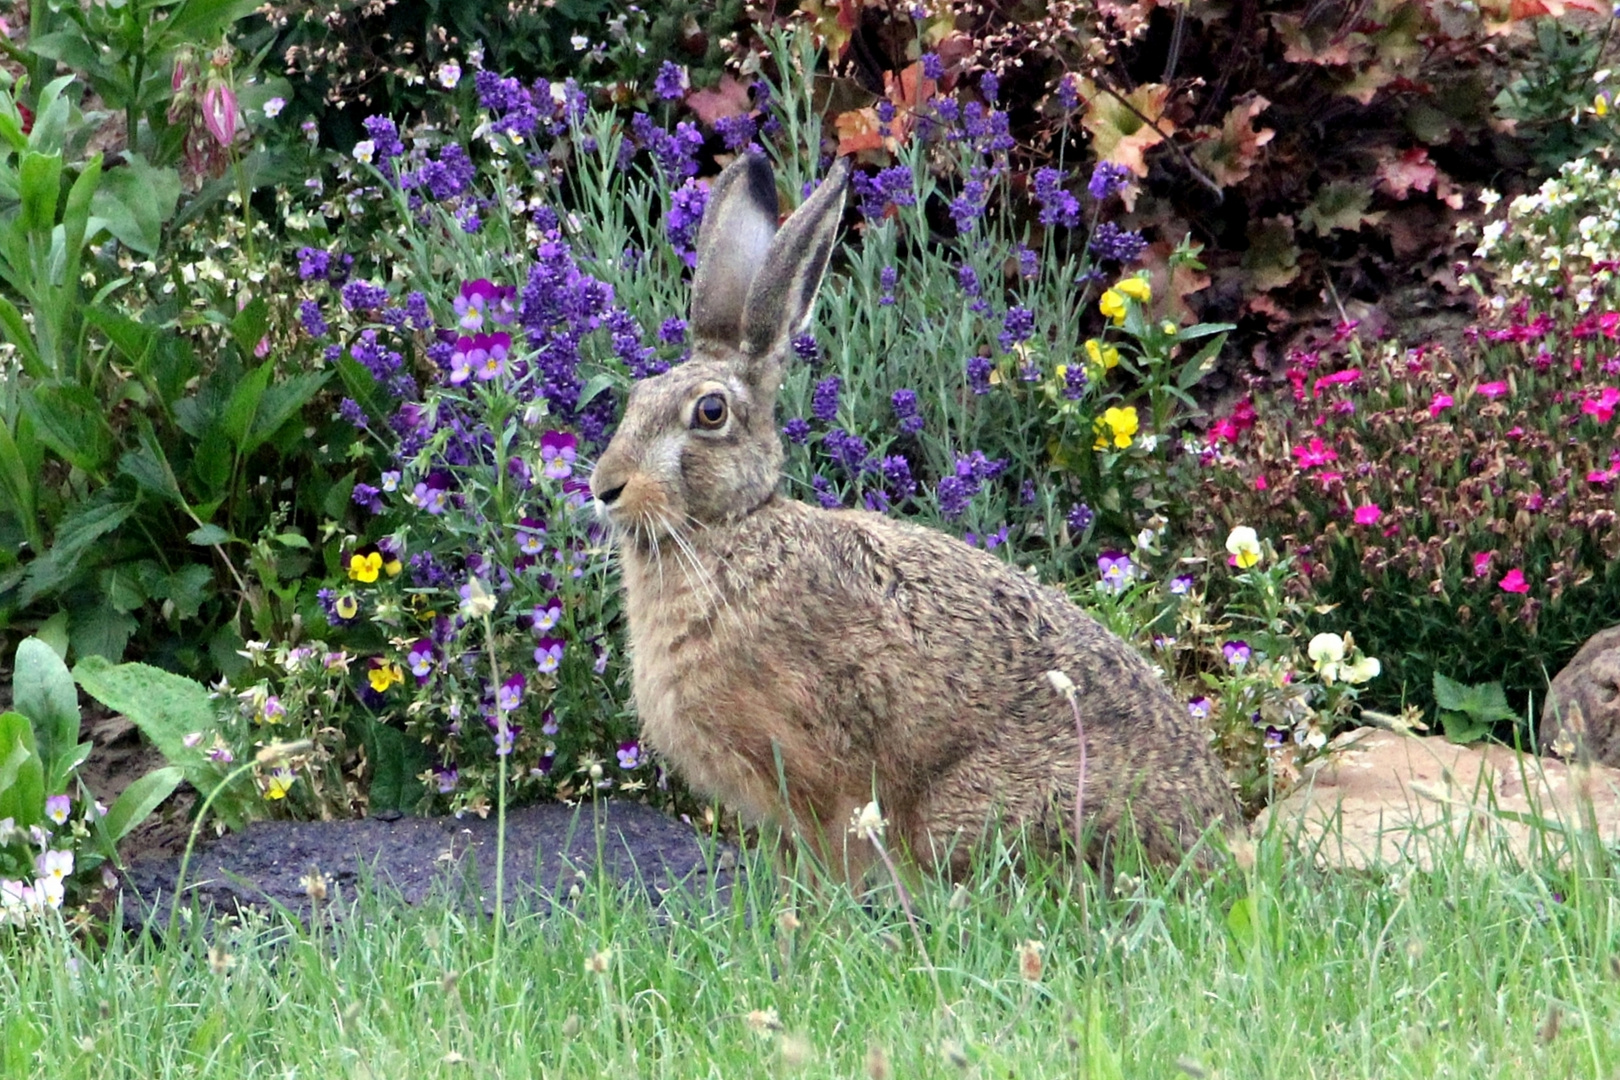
782,293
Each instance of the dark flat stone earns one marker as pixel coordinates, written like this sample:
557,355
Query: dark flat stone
550,849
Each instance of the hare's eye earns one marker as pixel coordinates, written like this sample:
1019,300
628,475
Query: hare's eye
710,413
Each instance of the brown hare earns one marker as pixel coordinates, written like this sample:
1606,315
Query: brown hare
797,663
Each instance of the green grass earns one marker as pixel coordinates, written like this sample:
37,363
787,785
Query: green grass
1461,971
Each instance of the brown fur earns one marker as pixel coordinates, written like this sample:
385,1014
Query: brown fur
842,655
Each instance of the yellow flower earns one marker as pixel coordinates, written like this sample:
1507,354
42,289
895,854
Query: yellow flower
1244,544
278,784
1168,328
364,568
1116,425
1137,288
1112,305
393,566
1101,358
346,606
383,676
1600,104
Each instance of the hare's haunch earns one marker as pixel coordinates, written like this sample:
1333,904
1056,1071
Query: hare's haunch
797,662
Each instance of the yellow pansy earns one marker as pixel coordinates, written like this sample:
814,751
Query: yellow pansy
1112,305
365,568
1244,544
278,784
1600,104
392,566
1136,288
383,676
1100,358
347,606
1116,425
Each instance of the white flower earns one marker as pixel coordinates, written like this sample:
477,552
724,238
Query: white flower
273,107
53,892
449,74
580,42
1244,545
1488,198
1326,652
1359,671
364,151
867,822
54,864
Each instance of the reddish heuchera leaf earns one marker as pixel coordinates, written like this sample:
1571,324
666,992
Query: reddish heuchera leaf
1412,171
858,131
1118,132
1229,152
1320,43
729,98
1272,259
834,21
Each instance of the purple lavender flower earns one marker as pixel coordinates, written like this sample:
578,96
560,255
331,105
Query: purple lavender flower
352,413
672,331
363,296
806,348
1109,241
953,494
897,474
932,66
990,86
309,313
1058,207
670,82
968,279
888,278
369,497
825,494
737,132
797,430
1074,382
1107,179
313,263
1067,93
1016,327
847,450
978,374
686,206
1080,517
905,411
824,399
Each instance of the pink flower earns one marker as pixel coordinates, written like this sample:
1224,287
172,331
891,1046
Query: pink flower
1440,402
1603,405
1513,581
219,113
1314,453
1338,378
1492,390
1600,476
1260,482
1367,515
1482,564
1327,477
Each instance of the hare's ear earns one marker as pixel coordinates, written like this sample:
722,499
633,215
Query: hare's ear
732,246
782,293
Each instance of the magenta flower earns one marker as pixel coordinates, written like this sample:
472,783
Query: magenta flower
558,449
1237,653
548,655
1482,564
1314,453
1492,390
483,300
1513,581
1440,403
219,113
1338,378
1603,405
1369,514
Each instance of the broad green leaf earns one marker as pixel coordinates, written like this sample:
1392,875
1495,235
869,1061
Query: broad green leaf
601,381
51,117
1200,364
249,326
134,201
194,20
17,485
139,800
244,405
100,629
281,402
167,708
74,536
396,762
76,218
132,339
208,535
40,186
18,334
43,691
72,422
22,778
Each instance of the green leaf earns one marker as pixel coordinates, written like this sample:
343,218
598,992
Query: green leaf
195,20
208,535
22,778
280,403
1485,702
1462,729
17,485
1200,364
43,691
72,422
18,334
132,339
249,326
1240,922
396,762
601,381
100,629
244,405
40,186
74,536
51,117
167,708
138,801
76,219
134,201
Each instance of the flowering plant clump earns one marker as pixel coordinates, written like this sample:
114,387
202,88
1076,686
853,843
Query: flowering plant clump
1431,492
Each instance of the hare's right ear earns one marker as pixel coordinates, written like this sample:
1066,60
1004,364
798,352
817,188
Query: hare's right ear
733,241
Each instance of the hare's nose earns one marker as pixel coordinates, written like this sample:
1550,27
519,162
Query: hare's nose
609,496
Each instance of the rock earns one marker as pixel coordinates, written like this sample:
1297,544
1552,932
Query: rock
1581,716
1382,799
